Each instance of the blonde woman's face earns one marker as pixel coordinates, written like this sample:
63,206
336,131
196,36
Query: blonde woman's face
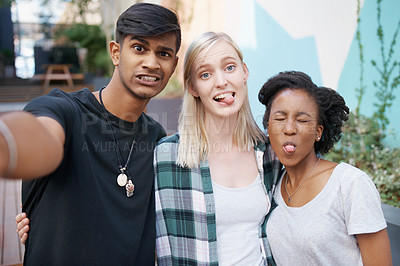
218,79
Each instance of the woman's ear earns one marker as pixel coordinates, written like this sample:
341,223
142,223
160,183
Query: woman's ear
246,72
320,130
115,52
193,91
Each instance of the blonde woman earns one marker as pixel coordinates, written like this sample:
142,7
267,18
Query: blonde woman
214,178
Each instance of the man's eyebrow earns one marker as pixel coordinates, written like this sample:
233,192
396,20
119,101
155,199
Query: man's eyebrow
139,39
164,48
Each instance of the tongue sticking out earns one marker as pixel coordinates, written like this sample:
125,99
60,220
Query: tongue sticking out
229,99
289,148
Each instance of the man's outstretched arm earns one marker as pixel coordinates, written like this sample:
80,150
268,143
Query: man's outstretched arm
30,147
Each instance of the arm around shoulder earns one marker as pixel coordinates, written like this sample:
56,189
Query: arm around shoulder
30,147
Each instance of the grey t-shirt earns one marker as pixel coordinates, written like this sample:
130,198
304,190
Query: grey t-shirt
322,232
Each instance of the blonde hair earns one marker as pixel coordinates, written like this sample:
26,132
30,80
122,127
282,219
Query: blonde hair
194,144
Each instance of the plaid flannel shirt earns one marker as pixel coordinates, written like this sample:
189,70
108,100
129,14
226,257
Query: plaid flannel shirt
185,209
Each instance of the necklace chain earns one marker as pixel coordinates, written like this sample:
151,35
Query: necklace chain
287,177
122,169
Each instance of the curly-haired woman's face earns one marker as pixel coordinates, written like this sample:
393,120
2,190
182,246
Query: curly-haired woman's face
293,126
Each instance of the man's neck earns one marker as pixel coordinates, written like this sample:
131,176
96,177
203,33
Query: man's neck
120,103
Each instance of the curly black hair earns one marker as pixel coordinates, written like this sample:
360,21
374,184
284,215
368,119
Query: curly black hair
332,109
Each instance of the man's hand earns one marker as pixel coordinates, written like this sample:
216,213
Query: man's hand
22,226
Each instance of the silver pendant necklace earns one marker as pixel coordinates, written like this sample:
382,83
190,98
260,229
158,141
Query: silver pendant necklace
123,178
287,177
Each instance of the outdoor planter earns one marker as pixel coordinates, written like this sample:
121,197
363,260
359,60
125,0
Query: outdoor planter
392,216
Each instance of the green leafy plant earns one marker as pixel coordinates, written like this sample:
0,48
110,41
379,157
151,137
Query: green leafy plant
361,146
8,57
387,83
362,143
82,7
360,91
6,2
93,39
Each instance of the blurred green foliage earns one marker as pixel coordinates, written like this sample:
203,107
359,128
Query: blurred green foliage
6,2
361,146
92,38
362,143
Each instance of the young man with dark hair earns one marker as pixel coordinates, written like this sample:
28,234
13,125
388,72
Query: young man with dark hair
94,202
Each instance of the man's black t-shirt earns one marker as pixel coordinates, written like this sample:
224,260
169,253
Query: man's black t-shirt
79,215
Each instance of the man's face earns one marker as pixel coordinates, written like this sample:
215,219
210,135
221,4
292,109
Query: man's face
145,64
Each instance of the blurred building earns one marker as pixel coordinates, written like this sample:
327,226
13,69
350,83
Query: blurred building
7,68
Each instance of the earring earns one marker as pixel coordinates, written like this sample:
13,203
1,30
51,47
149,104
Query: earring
318,138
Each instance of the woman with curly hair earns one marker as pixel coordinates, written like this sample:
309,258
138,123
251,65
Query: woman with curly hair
327,213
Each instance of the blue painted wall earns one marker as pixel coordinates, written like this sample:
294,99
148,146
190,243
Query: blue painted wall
276,51
349,80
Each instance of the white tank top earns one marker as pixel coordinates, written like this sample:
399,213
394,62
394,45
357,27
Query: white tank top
239,213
